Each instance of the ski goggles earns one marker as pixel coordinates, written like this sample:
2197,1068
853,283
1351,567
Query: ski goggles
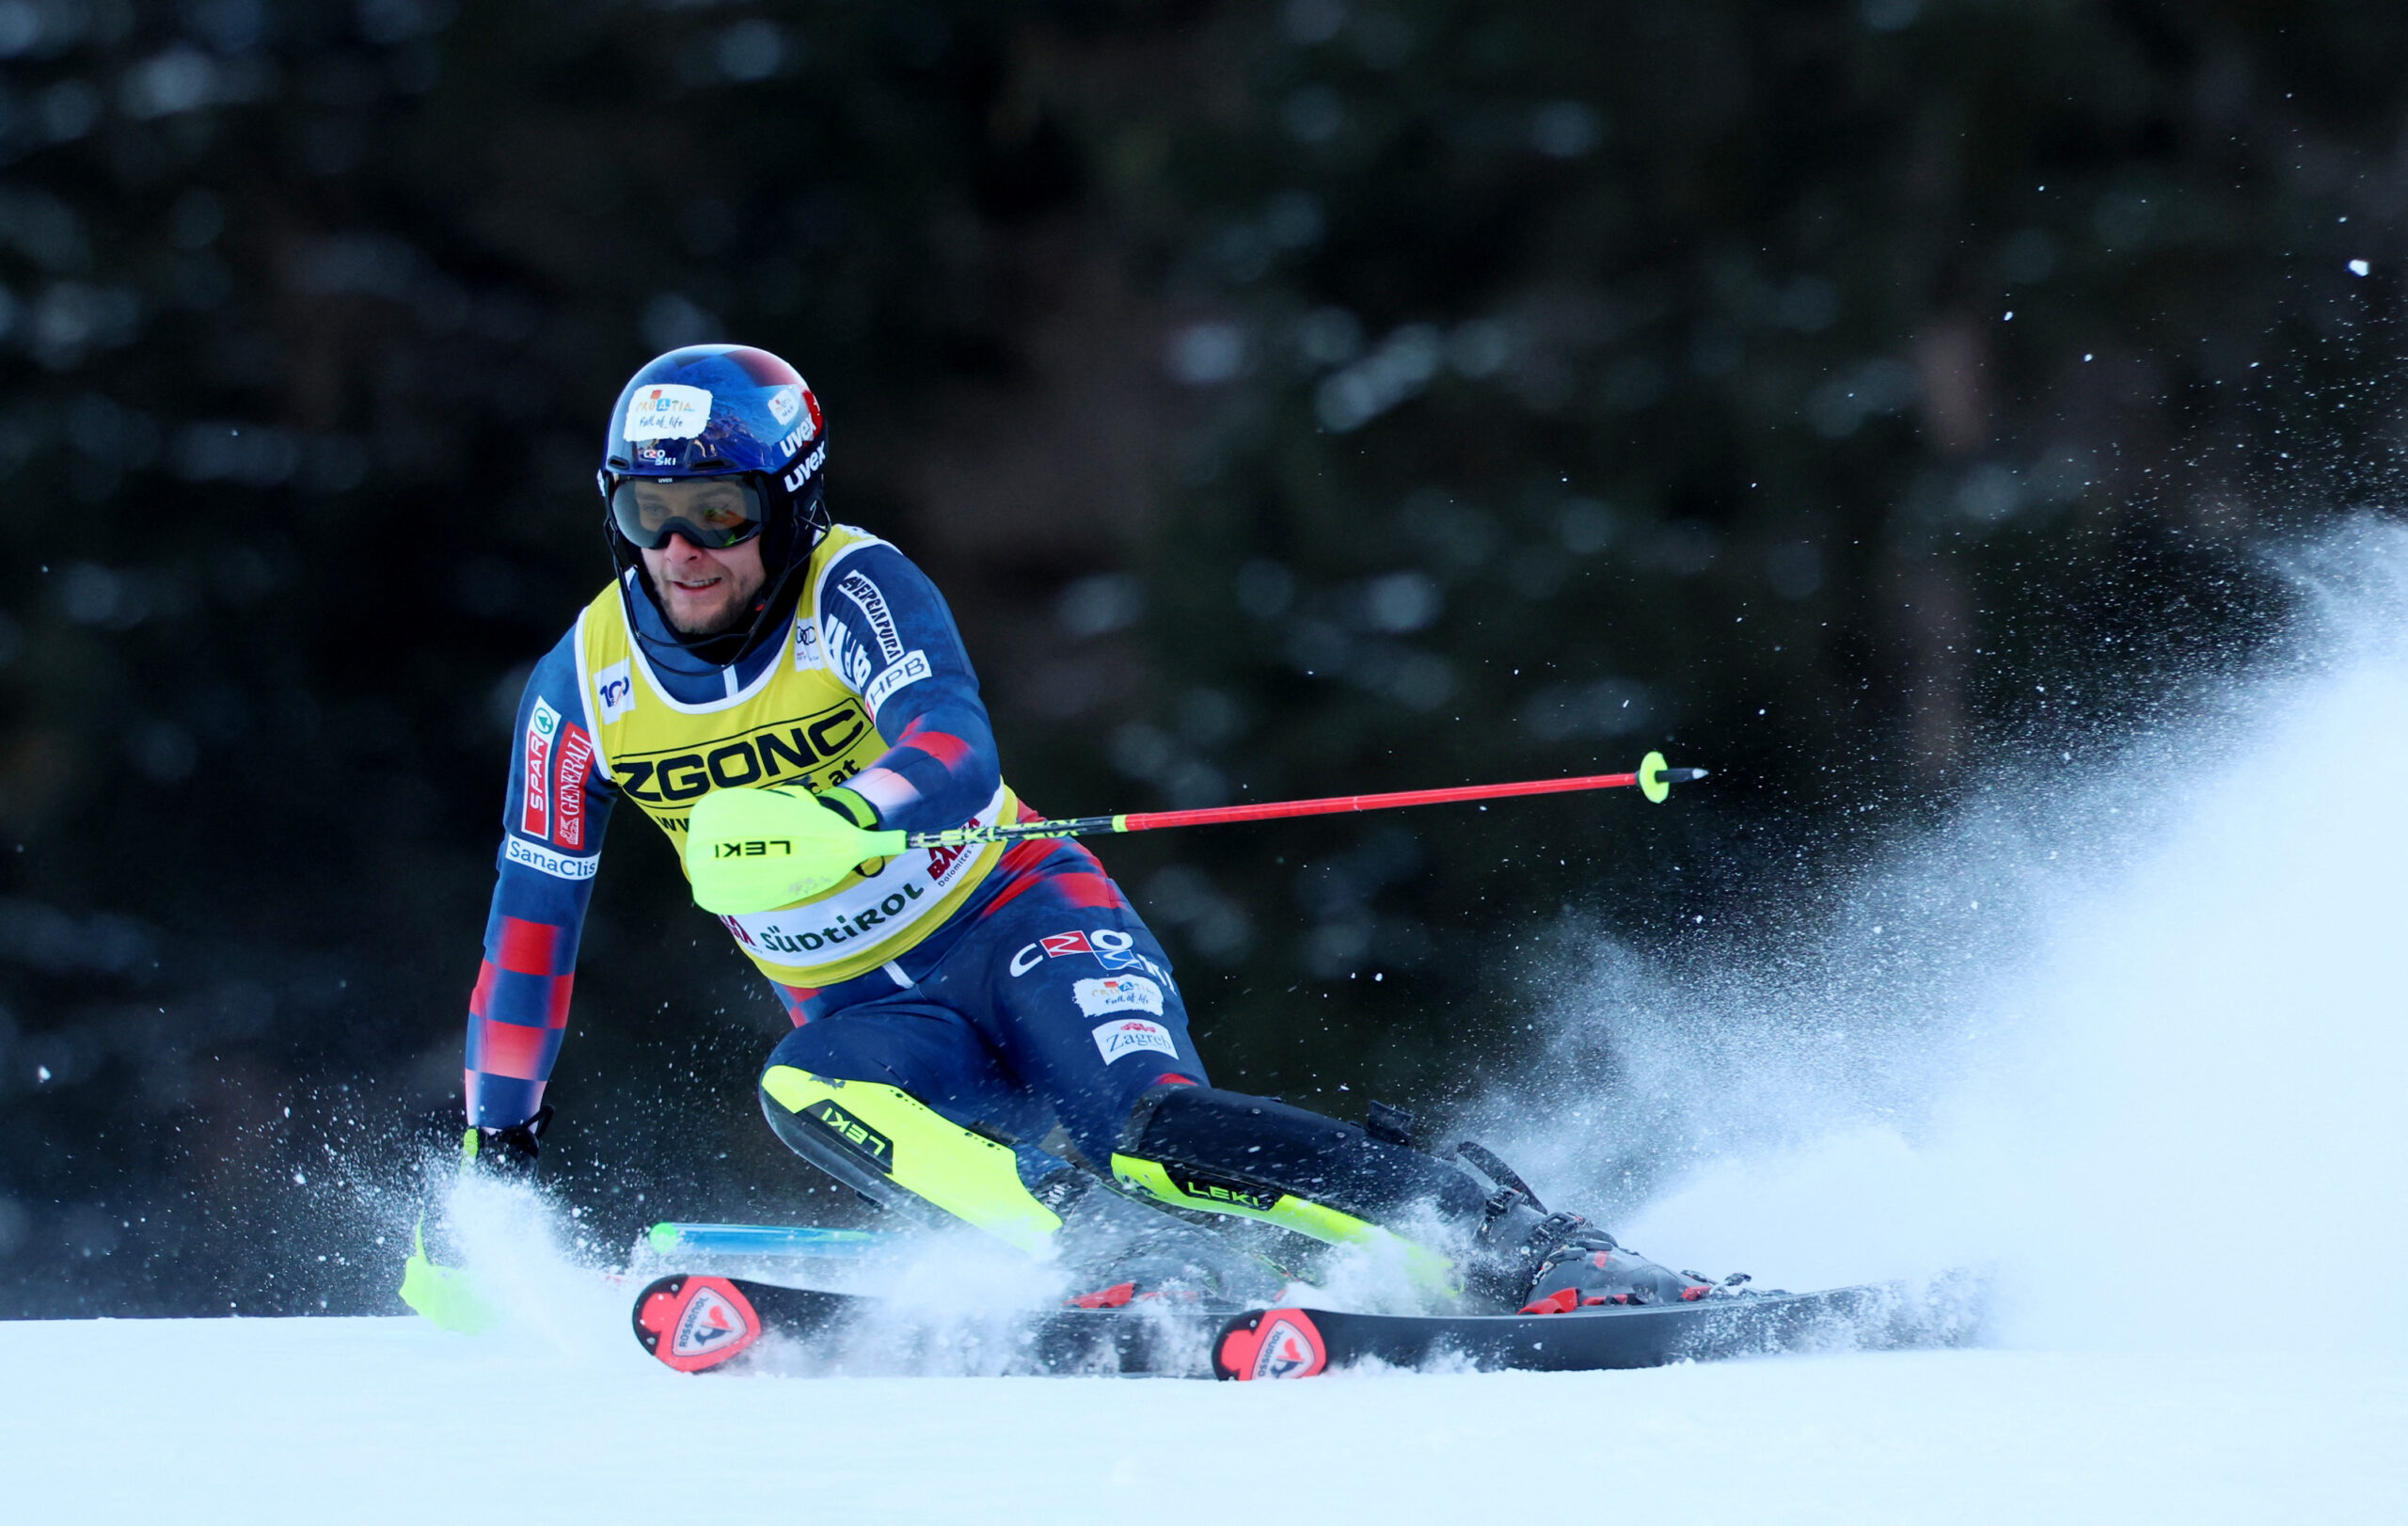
712,513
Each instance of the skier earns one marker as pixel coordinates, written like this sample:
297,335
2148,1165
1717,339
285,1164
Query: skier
984,1033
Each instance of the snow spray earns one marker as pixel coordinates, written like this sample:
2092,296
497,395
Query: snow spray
511,1238
2133,1037
951,1304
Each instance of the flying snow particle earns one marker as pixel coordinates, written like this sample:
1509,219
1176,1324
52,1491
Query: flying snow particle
2359,267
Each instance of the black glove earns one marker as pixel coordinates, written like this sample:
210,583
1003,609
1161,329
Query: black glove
505,1153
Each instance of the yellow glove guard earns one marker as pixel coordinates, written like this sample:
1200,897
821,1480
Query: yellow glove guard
757,850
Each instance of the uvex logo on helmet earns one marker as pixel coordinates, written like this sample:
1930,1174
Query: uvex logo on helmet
804,470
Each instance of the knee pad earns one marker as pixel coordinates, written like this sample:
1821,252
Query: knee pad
902,1153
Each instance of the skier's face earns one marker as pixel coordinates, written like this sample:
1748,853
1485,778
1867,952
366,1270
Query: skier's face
704,592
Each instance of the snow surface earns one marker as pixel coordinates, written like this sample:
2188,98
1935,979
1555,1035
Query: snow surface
372,1420
2130,1035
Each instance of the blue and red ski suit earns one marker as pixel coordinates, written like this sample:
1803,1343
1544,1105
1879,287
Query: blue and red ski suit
983,1018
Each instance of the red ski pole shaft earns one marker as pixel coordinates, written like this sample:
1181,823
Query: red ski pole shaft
1652,778
1339,804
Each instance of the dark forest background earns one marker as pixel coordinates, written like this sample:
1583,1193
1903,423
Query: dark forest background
1292,398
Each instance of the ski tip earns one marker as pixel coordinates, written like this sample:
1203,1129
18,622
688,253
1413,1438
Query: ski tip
693,1324
1272,1344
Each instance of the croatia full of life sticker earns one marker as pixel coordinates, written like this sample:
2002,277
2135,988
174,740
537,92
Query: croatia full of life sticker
667,411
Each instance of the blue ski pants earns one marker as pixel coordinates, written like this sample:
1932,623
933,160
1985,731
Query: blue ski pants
1052,1005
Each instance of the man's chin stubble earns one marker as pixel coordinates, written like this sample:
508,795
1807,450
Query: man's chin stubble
730,615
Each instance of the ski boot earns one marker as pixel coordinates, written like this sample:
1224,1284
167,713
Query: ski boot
1579,1265
1259,1158
1542,1263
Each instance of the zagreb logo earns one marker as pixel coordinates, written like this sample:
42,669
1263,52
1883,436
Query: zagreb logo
1130,1035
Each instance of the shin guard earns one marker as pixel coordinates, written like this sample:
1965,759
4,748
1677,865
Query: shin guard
899,1153
1225,1152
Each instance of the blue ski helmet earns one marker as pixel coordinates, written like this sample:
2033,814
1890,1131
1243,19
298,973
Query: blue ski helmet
729,412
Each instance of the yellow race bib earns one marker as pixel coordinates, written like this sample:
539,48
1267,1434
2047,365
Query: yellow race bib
796,723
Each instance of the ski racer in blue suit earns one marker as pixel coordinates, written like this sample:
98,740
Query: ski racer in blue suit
986,1034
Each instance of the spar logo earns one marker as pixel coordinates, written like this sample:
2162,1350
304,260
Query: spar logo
543,724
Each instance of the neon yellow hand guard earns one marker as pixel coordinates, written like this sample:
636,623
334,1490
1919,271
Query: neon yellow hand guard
759,848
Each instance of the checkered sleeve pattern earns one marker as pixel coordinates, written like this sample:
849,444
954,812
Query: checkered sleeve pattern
553,815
